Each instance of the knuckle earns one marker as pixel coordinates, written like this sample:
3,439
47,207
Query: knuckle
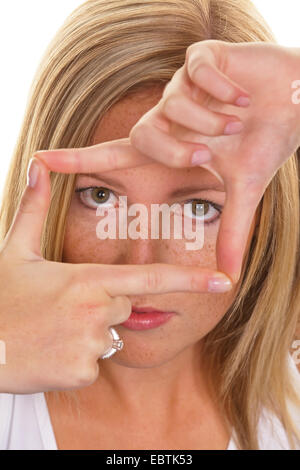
136,136
77,161
254,182
229,94
179,158
216,126
196,282
75,276
78,284
166,89
118,312
103,317
126,303
198,67
124,308
249,182
95,321
190,49
25,207
112,158
95,315
202,53
74,377
99,341
87,375
82,279
153,280
170,105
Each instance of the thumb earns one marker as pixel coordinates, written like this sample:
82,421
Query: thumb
24,236
235,227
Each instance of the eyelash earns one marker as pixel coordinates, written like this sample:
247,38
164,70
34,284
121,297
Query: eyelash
218,207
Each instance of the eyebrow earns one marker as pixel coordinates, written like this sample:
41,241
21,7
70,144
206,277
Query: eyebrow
193,189
106,179
203,185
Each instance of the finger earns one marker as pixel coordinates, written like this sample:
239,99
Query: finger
154,278
236,220
121,310
167,149
25,232
106,156
184,111
203,72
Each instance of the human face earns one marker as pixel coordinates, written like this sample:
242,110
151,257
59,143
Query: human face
196,313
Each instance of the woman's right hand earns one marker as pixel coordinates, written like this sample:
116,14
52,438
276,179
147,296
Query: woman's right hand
55,317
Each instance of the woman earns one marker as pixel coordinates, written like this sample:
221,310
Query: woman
228,353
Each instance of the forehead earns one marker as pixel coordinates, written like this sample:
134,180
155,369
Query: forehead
123,115
118,122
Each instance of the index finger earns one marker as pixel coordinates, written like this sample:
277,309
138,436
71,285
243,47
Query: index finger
156,278
106,156
238,213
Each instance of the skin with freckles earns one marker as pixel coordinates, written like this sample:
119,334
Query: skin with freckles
145,386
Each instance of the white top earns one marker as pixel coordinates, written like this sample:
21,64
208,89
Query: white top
25,423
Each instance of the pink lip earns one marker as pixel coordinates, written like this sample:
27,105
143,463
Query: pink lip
144,318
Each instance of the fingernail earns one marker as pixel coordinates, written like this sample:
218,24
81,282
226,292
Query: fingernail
32,173
243,101
201,156
219,284
233,128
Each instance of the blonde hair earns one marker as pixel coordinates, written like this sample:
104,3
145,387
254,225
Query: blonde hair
107,49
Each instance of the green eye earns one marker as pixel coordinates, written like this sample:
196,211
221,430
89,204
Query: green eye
197,207
203,209
94,197
100,195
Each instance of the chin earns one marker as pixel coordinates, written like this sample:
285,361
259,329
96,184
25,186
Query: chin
142,359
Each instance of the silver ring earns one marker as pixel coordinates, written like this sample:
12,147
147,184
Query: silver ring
117,344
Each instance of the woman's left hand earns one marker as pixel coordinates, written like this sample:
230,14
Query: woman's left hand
196,106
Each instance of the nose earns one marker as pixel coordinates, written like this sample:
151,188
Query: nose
143,251
147,236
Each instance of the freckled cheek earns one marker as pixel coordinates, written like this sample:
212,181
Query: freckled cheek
208,310
81,244
177,252
200,313
203,311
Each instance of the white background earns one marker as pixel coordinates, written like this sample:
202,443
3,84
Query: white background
28,26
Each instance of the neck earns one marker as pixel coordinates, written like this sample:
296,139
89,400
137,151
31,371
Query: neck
168,388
